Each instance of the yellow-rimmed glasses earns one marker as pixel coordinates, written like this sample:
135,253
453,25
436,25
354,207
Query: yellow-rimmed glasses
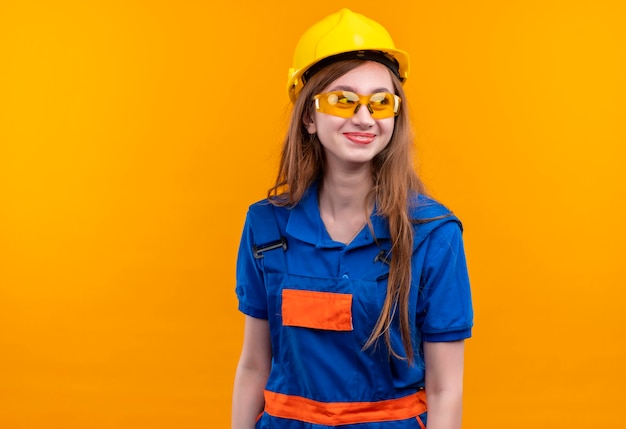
345,104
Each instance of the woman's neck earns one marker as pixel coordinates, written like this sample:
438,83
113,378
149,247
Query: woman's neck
342,203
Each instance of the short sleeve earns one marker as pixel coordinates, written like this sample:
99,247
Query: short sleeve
444,310
250,287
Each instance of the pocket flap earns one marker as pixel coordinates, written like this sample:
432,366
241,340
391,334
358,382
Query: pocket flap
317,310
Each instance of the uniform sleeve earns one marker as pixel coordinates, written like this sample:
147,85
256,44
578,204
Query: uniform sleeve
445,311
250,287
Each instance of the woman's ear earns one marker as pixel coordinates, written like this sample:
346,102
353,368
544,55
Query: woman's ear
309,124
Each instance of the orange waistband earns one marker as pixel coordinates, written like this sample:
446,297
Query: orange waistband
343,413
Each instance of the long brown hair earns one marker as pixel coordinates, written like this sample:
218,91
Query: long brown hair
394,178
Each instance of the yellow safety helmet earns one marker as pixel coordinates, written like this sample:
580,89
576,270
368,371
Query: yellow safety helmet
344,34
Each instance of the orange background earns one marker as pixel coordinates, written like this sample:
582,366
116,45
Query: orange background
134,134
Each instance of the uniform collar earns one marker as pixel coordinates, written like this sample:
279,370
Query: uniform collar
305,224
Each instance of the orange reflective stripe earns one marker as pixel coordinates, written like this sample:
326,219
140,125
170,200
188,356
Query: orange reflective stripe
421,423
318,310
344,413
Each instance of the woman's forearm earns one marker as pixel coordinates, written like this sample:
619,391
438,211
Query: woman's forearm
444,384
252,373
444,409
248,399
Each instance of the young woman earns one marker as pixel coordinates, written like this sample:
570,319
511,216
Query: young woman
353,282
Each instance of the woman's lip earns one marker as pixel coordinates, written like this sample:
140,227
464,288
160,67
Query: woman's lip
360,138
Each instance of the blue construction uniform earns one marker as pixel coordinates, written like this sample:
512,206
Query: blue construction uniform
322,299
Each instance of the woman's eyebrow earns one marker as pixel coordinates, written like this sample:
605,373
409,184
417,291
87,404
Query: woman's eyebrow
342,88
351,89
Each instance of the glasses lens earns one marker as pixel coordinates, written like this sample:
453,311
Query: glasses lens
337,103
384,105
381,102
345,103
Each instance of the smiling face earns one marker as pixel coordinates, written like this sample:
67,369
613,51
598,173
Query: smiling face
355,141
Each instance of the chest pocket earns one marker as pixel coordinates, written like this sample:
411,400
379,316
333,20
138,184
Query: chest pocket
317,310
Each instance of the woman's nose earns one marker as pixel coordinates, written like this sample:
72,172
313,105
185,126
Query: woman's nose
362,116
